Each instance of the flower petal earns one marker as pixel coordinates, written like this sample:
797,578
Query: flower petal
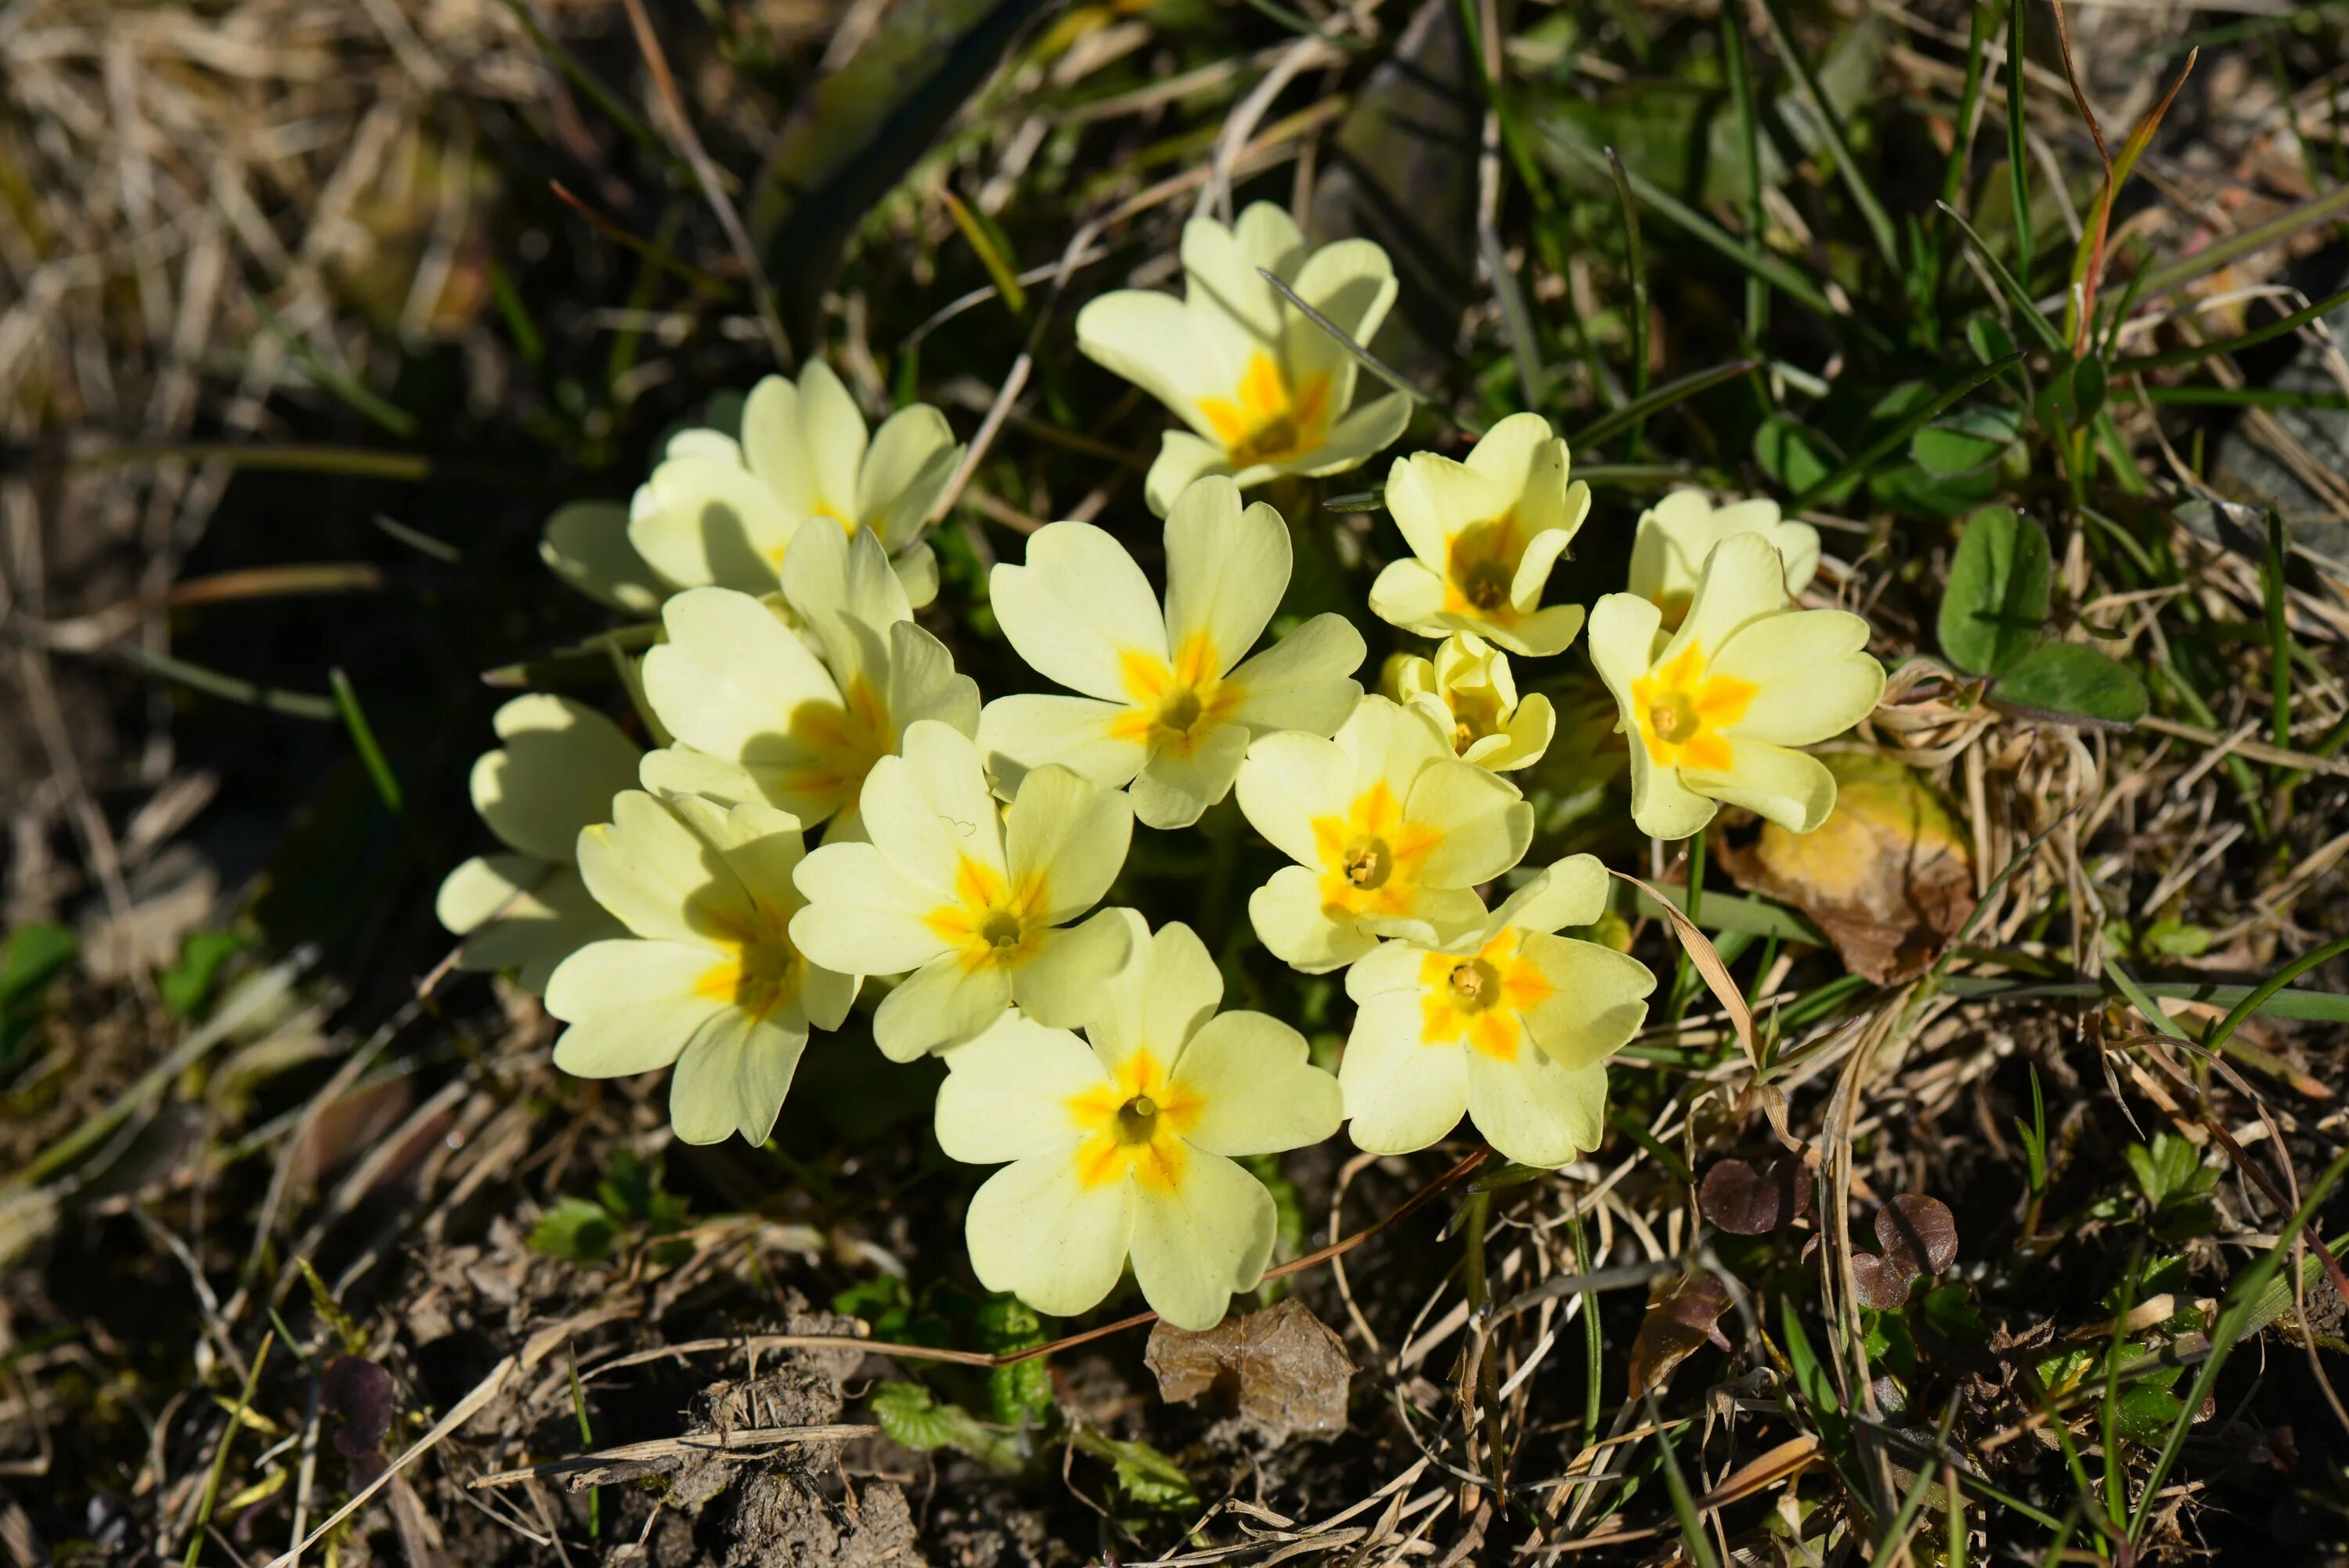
560,766
1007,1092
653,873
1016,734
1570,891
631,1005
1598,998
1219,274
1151,339
1173,789
1791,789
1400,1094
586,544
1409,595
775,447
675,771
1535,1112
1036,1230
835,431
1623,642
1067,982
1367,430
1227,569
1291,921
734,1075
521,913
700,520
1303,681
1353,284
922,684
1486,824
912,460
1262,1093
841,585
735,682
1080,610
1183,460
1290,779
929,809
1168,988
1431,498
1197,1243
864,916
1742,579
1813,679
938,1007
1390,966
1070,834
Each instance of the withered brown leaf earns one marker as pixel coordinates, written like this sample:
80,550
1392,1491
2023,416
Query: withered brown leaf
1282,1367
1747,1199
1682,1317
1888,876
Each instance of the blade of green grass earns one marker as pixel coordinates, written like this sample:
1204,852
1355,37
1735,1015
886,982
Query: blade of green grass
233,688
2316,210
220,1455
2018,150
2242,1294
1898,437
1749,146
1767,265
2018,298
371,756
2195,352
1863,195
1655,402
333,377
2246,398
1516,322
1692,1536
1635,260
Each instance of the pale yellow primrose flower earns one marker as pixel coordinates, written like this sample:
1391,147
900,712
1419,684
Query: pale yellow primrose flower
586,543
1468,690
757,716
976,903
1125,1149
1713,712
1513,1025
1265,391
1168,705
1679,531
1391,833
710,979
527,910
1483,535
721,510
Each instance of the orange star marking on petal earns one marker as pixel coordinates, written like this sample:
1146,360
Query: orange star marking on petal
1682,712
1133,1126
1267,421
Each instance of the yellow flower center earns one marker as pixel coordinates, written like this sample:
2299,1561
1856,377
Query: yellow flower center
990,924
1177,705
1682,712
1372,855
1133,1124
760,968
1480,1002
1481,567
1267,421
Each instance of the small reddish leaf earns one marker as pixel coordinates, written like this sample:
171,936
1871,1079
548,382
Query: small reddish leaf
361,1393
1282,1367
1880,1283
1919,1234
1683,1317
1749,1202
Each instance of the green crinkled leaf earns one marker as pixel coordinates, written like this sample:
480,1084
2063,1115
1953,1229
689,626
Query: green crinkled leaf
1965,443
1996,604
1150,1478
185,985
2145,1414
1022,1392
907,1414
2068,681
35,956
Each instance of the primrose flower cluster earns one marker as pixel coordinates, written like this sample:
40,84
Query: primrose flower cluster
830,820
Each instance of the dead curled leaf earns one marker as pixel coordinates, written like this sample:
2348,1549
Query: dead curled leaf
1888,876
1919,1235
1282,1367
361,1394
1747,1199
1687,1314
